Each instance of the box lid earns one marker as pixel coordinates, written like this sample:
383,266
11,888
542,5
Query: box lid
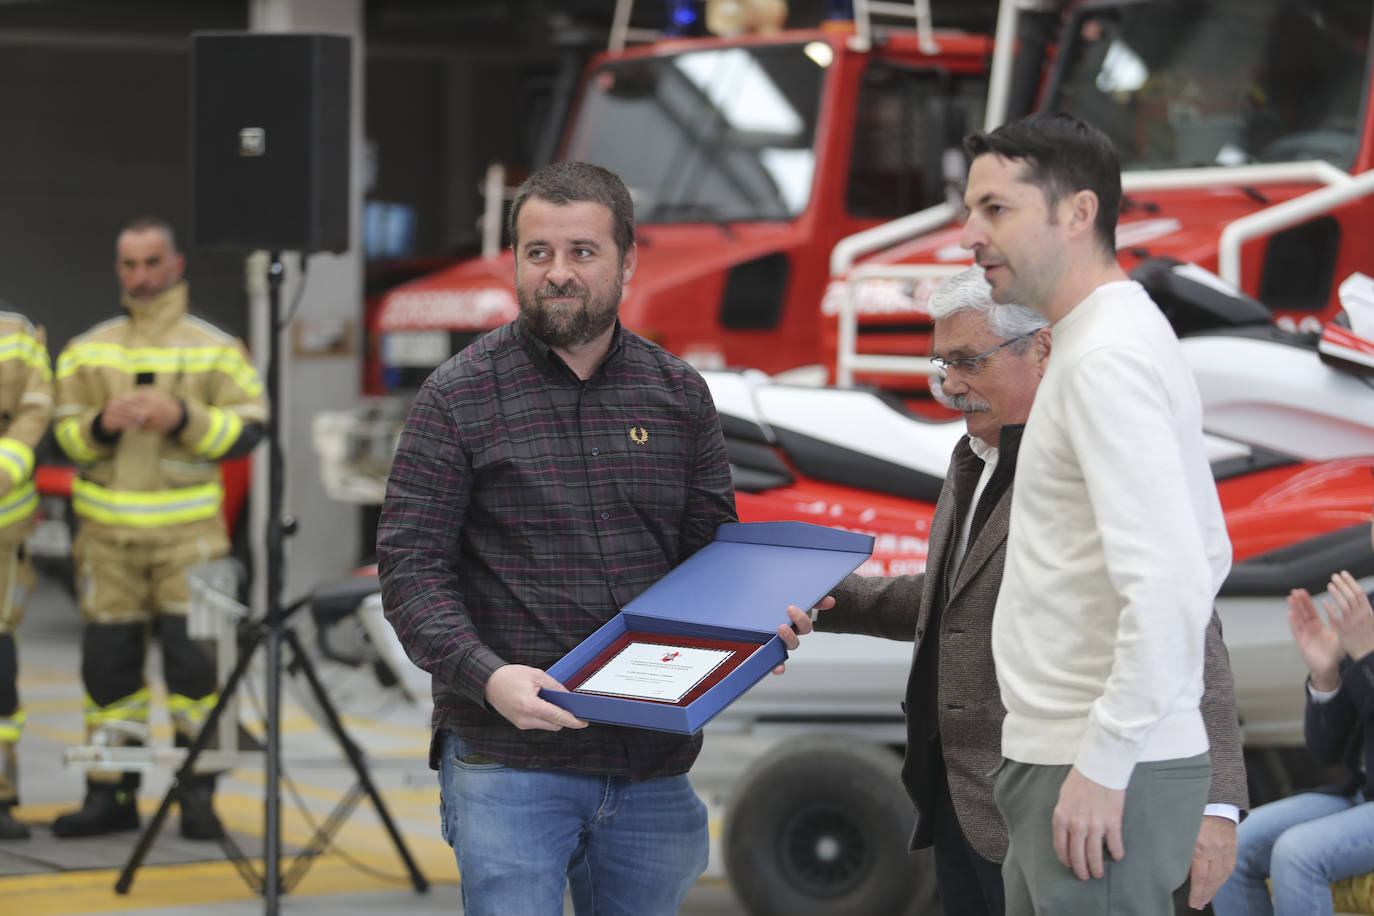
751,572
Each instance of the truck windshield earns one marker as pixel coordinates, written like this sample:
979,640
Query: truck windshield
1186,83
710,135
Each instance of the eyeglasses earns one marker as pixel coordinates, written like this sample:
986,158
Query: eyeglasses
972,365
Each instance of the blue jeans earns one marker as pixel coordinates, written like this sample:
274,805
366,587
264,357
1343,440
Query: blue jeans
1301,844
522,836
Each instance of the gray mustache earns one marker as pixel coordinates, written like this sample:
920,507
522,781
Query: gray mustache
967,404
960,402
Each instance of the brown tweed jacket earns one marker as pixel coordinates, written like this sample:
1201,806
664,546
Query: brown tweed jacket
969,703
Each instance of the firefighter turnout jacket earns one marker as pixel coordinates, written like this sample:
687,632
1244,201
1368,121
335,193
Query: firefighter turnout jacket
155,487
25,407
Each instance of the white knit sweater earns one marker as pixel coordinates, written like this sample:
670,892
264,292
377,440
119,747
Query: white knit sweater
1116,552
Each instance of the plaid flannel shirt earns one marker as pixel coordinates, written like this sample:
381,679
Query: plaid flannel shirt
525,508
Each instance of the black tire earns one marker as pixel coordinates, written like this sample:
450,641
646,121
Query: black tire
820,827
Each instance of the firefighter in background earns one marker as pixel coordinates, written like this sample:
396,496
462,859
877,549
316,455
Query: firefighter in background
147,405
25,406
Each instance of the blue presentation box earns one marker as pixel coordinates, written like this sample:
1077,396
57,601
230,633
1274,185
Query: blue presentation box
734,590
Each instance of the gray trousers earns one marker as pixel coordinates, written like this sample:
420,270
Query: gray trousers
1160,823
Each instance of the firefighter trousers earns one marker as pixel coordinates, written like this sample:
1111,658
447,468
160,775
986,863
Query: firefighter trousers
128,593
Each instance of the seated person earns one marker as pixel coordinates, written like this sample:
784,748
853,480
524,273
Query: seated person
1303,843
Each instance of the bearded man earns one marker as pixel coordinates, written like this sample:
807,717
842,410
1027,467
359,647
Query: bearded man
547,475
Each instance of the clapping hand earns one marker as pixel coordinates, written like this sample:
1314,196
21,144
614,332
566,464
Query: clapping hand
1350,615
1350,631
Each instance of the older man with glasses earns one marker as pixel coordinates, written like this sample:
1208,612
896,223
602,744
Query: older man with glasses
991,358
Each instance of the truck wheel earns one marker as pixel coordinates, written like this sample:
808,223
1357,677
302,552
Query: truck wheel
820,827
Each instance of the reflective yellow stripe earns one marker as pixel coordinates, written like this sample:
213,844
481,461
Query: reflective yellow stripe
16,459
191,712
161,359
18,504
69,436
137,509
133,708
11,726
28,351
224,431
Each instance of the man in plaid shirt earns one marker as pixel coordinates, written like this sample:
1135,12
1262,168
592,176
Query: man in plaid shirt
546,476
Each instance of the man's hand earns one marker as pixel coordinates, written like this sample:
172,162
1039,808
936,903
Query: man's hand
1318,644
161,412
513,691
143,408
1214,857
1351,615
1088,814
121,412
791,634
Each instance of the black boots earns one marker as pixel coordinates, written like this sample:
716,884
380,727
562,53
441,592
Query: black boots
113,808
198,820
108,808
10,829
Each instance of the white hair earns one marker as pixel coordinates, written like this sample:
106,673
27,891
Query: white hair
968,291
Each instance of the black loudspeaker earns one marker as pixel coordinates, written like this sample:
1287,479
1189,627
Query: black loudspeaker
270,141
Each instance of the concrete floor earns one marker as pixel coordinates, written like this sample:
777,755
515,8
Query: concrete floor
360,872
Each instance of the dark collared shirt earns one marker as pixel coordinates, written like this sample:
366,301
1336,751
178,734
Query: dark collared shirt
526,507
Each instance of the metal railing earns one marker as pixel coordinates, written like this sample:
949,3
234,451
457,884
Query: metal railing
1282,216
848,360
918,11
1338,187
621,33
999,77
851,248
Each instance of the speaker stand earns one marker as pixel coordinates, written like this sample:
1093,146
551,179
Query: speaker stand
270,631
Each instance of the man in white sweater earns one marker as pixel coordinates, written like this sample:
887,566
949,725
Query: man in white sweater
1116,550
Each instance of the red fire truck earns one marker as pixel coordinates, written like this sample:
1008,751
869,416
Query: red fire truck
748,158
1246,146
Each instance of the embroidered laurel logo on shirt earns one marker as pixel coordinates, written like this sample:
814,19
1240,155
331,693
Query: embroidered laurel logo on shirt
639,435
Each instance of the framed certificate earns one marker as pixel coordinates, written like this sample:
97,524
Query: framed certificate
689,645
657,668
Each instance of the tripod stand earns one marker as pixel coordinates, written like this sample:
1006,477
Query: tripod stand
270,631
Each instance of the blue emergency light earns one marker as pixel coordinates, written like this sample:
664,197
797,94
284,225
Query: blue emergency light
682,18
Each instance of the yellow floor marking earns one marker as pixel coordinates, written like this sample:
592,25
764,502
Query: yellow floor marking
362,834
361,839
71,893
